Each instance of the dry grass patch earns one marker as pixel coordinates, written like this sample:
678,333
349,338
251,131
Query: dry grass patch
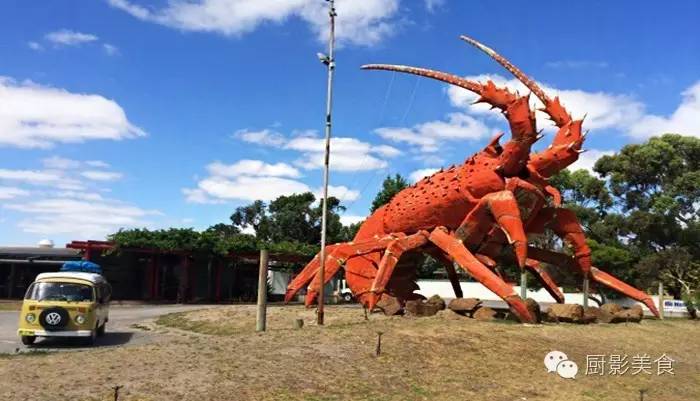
444,357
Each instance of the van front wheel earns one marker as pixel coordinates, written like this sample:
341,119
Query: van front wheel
28,340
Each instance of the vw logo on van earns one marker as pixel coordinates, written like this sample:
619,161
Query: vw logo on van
53,318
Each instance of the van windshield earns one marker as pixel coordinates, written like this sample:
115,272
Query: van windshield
70,292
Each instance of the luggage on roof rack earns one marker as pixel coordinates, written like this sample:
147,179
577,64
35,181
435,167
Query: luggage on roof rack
81,266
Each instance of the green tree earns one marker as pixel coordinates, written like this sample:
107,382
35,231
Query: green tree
293,218
641,217
390,187
656,185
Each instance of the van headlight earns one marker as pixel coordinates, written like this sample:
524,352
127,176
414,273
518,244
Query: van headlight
30,317
80,319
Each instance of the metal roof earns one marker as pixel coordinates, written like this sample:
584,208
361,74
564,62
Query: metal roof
35,251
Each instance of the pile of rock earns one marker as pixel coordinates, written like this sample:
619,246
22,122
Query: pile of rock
607,313
474,308
424,307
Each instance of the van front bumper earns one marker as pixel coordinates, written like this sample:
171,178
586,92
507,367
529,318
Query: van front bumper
64,333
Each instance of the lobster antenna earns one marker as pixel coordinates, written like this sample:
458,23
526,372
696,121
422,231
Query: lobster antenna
428,73
529,83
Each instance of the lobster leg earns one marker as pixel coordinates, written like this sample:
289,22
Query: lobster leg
599,276
466,260
503,207
492,249
565,224
547,282
391,256
336,256
448,263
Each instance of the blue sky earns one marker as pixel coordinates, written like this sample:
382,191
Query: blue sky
129,113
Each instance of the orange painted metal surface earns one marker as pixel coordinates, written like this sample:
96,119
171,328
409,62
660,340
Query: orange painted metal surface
470,214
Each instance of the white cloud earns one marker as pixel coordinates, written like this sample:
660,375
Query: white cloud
198,195
587,160
251,188
82,195
347,220
341,192
264,137
31,176
428,136
386,150
79,218
57,167
603,110
347,153
363,22
97,175
684,120
420,174
254,179
67,37
60,163
12,192
97,163
252,168
110,49
35,116
35,45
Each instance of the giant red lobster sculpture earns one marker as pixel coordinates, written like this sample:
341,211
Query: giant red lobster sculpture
466,215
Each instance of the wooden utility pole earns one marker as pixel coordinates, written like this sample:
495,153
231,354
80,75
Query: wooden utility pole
261,320
329,61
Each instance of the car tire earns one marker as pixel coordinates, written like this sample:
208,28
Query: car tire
28,340
101,330
347,297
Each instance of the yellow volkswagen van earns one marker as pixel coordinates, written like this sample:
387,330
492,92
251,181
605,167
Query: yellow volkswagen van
65,304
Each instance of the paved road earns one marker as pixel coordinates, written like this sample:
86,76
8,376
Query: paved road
119,330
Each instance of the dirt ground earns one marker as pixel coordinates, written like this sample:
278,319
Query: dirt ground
216,355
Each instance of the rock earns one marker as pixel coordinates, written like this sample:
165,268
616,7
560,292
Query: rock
534,309
633,314
570,313
389,305
437,301
421,308
591,314
485,313
611,308
464,306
